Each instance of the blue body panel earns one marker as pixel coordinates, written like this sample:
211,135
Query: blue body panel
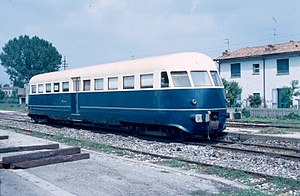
160,107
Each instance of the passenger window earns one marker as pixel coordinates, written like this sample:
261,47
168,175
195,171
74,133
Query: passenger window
180,79
33,88
56,87
164,79
98,84
40,88
113,83
216,78
147,81
86,85
128,82
201,78
48,88
65,86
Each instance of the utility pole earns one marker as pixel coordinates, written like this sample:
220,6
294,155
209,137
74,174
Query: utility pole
274,29
65,64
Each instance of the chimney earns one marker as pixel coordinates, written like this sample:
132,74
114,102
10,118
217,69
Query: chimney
225,53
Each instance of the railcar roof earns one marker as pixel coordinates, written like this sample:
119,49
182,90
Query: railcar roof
178,61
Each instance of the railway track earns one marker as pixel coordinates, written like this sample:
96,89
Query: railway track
268,150
200,165
288,153
156,156
218,144
260,125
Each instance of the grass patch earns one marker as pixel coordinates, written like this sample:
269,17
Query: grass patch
288,183
243,192
13,107
178,164
231,192
83,143
228,173
272,130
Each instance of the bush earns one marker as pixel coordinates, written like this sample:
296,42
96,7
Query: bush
292,116
255,101
246,112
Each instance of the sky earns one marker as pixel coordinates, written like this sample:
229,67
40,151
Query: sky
90,32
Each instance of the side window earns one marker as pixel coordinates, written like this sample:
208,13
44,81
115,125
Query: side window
113,83
56,87
48,88
180,79
86,85
65,86
33,88
164,79
98,84
147,81
40,88
128,82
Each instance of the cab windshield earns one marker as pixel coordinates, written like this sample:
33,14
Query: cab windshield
201,78
180,79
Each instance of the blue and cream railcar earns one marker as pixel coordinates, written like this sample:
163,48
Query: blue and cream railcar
180,92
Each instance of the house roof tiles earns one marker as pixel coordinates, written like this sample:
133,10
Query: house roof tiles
258,51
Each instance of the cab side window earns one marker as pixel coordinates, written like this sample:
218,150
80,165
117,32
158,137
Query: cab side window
164,79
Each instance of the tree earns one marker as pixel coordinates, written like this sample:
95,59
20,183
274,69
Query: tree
288,92
232,90
2,95
25,57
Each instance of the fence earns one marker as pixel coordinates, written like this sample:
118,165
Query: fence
272,113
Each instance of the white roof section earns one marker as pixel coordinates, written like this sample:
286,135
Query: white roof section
172,62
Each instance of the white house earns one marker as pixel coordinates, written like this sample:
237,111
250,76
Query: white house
263,71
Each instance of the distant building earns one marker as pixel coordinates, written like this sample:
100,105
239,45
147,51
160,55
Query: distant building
19,93
263,71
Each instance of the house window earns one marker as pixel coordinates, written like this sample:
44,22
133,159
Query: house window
283,66
48,88
86,85
56,87
65,86
147,81
255,68
128,82
235,70
113,83
99,84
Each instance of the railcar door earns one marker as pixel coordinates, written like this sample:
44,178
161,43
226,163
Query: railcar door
75,96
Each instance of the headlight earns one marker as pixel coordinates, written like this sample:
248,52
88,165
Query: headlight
194,101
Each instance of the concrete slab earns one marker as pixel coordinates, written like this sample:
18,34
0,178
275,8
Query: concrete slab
102,174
